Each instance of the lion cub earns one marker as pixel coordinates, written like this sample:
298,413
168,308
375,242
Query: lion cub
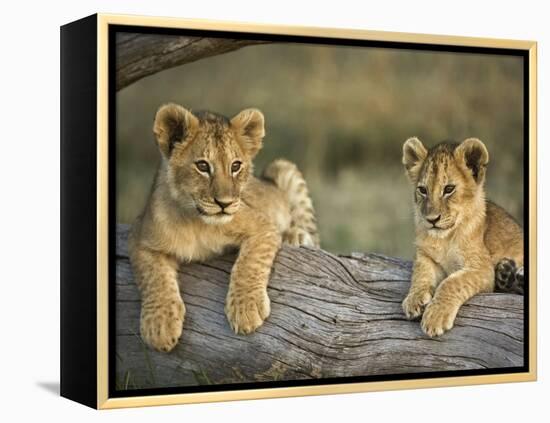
463,241
204,199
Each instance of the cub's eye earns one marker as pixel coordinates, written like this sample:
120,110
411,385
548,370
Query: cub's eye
422,190
449,189
235,166
203,166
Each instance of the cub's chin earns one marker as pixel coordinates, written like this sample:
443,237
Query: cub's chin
216,219
438,232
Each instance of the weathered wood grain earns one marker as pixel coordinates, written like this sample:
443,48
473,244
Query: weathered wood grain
331,316
141,55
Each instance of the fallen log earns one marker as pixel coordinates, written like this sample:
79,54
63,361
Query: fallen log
331,316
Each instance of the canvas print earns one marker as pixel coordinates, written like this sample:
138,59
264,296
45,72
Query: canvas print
292,211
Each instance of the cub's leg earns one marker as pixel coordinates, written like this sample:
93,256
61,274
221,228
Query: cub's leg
454,291
509,276
162,309
247,304
425,277
303,224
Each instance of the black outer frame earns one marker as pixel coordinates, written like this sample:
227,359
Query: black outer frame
79,116
79,211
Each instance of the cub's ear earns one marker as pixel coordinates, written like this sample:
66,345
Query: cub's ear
250,130
414,154
473,154
173,124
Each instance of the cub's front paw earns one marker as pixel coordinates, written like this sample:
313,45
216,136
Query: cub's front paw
414,303
161,325
438,319
246,310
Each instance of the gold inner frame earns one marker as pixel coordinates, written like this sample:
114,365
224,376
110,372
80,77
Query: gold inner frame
103,400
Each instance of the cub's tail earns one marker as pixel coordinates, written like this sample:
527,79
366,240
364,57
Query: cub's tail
303,225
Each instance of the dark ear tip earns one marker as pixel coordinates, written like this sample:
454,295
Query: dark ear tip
477,148
172,124
413,144
412,140
168,110
173,112
168,107
250,122
250,113
413,150
254,110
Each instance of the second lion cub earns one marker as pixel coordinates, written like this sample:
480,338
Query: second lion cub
463,241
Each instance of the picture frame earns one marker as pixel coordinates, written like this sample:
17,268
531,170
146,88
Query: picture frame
94,254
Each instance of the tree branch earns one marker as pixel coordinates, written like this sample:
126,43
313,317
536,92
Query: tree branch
141,55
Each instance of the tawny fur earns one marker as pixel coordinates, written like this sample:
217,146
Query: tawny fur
460,236
303,225
196,211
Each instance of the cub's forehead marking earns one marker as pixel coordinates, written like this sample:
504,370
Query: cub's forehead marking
205,116
438,162
219,154
216,140
214,127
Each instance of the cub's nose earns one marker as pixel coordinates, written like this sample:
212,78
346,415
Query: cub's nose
223,202
433,220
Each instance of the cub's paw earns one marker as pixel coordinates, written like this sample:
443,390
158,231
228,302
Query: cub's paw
505,275
246,310
438,319
509,277
161,326
413,305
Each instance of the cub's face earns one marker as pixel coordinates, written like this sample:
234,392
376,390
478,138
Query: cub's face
208,158
448,183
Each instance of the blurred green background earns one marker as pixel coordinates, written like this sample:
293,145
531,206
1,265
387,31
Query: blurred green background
342,114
